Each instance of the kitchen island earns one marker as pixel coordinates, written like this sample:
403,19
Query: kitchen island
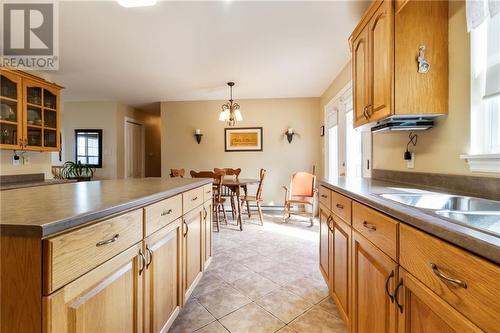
406,262
94,256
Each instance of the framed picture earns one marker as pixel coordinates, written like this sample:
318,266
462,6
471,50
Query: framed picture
243,139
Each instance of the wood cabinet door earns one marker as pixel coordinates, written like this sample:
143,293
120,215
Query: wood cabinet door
324,243
11,116
360,77
373,278
207,232
106,299
192,249
420,310
381,37
341,283
162,292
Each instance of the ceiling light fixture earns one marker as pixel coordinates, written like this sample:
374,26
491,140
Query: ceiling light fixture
230,111
136,3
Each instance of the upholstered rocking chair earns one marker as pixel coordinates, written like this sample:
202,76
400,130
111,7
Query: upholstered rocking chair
302,192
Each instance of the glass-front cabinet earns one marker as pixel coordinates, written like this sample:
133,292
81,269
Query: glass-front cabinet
30,112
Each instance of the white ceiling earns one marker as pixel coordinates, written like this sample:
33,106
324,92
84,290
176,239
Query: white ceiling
188,50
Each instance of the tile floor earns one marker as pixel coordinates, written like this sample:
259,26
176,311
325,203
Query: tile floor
264,279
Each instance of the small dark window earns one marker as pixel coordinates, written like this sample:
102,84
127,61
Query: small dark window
88,147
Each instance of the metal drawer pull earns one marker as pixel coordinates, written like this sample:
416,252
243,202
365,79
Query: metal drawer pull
455,282
400,306
369,226
324,196
194,199
209,191
150,255
387,286
143,261
166,212
340,206
187,228
108,241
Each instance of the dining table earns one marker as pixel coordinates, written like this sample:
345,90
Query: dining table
235,185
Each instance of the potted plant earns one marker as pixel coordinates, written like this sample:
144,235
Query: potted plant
78,171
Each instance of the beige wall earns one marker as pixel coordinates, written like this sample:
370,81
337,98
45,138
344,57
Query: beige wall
439,148
333,89
39,163
279,158
110,117
92,115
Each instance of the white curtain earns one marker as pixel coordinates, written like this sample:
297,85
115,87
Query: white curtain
483,15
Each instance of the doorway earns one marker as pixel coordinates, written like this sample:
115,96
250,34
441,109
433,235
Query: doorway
134,148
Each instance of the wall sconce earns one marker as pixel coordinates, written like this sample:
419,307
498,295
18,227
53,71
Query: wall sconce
198,135
289,134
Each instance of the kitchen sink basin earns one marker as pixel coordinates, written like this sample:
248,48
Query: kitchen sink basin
482,220
437,201
475,213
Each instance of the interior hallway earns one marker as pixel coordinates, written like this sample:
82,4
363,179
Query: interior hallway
264,279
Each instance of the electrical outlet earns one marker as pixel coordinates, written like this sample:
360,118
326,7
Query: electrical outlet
410,164
26,160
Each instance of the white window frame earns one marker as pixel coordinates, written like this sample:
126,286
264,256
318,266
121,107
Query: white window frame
338,104
484,155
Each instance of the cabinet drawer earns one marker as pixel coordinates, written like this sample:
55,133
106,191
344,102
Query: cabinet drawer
342,206
207,192
158,215
70,255
325,197
381,230
192,199
477,299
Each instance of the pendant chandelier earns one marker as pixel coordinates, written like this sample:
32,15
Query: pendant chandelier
230,111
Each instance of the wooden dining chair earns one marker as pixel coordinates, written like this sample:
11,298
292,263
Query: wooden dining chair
302,191
217,199
257,198
228,191
177,173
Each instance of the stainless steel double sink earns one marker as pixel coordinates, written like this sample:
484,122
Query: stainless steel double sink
473,212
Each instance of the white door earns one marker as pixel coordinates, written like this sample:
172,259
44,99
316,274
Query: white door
134,149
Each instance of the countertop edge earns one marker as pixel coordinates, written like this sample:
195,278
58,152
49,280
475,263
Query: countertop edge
59,226
430,224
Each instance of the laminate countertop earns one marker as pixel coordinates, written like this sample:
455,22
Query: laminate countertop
45,210
367,191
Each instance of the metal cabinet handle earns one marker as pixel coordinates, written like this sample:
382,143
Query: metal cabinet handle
108,241
369,226
324,196
365,113
369,110
187,228
329,222
396,290
166,212
455,282
150,256
209,191
205,213
194,199
339,206
387,286
143,261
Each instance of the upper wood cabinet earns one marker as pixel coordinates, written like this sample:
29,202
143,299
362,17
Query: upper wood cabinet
387,48
30,112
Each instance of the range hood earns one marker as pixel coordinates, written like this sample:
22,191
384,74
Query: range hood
404,123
